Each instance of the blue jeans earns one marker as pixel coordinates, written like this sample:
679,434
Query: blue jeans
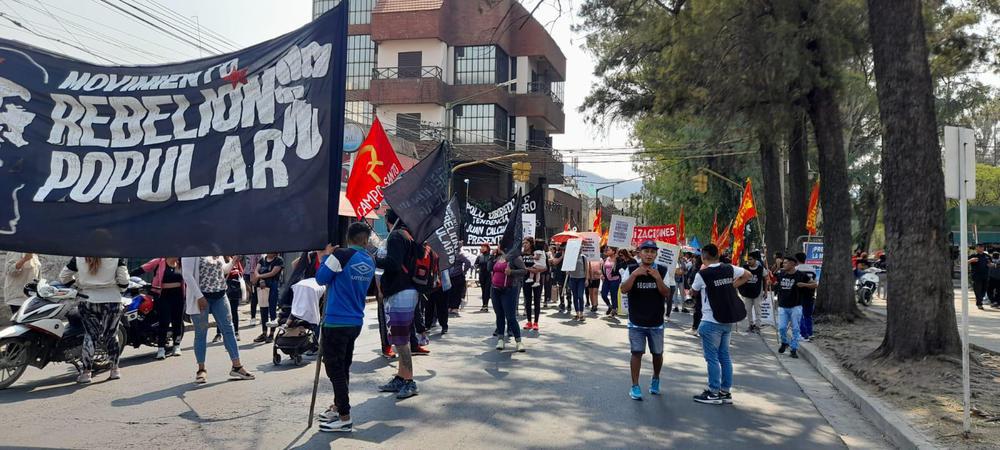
790,317
807,317
715,344
505,307
577,287
218,308
609,292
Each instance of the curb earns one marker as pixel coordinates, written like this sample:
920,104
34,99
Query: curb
892,425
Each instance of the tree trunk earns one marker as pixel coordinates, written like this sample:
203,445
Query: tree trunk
837,283
772,216
867,214
798,182
921,314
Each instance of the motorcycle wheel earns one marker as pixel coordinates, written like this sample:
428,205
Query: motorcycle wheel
867,298
277,359
122,337
13,361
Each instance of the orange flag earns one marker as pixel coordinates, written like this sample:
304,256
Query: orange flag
812,215
680,228
375,167
724,237
746,212
715,228
597,222
604,238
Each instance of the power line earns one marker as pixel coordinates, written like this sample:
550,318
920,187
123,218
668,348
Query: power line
173,24
132,15
21,26
53,16
209,32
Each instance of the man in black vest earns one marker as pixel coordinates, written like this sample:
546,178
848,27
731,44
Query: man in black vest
980,272
647,295
753,291
721,308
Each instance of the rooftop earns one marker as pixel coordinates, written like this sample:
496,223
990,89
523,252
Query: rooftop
391,6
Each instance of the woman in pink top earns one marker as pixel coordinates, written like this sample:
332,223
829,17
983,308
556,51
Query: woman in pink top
612,280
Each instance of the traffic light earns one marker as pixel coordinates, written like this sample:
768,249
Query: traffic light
700,182
522,171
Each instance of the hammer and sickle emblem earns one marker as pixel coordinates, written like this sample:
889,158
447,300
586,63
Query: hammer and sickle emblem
373,163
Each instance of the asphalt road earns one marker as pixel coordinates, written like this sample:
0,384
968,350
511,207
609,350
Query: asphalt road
568,390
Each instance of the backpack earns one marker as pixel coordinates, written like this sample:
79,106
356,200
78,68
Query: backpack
424,270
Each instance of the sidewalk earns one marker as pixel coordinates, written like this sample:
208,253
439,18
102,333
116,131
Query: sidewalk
983,324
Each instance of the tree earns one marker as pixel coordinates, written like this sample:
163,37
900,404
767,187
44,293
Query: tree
798,179
922,319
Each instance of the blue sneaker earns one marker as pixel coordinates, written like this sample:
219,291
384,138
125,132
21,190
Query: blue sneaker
635,393
654,387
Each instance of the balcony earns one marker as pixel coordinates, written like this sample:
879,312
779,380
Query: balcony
545,104
407,85
554,90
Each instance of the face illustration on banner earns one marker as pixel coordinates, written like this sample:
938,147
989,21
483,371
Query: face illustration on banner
14,118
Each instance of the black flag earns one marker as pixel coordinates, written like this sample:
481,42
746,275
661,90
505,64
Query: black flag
446,241
420,195
513,235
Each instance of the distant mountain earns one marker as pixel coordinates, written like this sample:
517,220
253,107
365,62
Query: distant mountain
585,179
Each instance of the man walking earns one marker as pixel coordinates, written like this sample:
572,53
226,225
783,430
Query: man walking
753,291
980,271
400,302
348,273
721,308
647,293
807,294
789,289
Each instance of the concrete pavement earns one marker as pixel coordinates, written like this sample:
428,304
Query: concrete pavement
983,324
568,390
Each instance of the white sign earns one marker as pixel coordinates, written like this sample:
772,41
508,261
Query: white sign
667,257
528,219
959,145
766,310
571,254
620,231
591,247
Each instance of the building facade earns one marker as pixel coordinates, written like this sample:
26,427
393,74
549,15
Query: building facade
486,76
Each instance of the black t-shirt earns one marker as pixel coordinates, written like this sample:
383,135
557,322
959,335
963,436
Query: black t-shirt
981,269
645,303
789,295
265,267
170,275
807,294
753,287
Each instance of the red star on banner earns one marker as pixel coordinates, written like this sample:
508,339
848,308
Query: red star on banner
236,77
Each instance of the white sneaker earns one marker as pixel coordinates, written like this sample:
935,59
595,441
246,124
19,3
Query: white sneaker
253,322
273,324
329,415
83,378
115,374
500,343
177,351
337,426
161,353
520,347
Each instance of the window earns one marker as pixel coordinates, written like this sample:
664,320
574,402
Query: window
408,126
481,124
360,61
409,64
359,14
481,64
360,112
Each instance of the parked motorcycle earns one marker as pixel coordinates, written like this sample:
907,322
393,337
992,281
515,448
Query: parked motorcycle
140,319
46,329
866,286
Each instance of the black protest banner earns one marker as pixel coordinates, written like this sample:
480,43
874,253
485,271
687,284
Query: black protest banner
446,241
232,154
488,227
420,195
510,241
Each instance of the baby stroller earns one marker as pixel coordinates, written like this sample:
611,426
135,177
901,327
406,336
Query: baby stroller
297,335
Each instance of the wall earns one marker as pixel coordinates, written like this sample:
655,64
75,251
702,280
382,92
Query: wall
435,53
429,113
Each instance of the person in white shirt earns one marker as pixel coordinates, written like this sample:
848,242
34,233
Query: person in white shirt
101,280
21,269
721,309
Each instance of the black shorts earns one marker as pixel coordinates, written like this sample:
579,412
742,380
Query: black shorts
594,284
558,279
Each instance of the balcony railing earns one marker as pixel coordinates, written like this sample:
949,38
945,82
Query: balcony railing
553,90
391,73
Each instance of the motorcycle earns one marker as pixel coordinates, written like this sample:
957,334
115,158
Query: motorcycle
46,329
866,286
140,319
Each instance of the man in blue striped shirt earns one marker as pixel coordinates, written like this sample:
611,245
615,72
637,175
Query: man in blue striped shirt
348,272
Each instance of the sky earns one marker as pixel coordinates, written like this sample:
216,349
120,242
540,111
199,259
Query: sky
111,35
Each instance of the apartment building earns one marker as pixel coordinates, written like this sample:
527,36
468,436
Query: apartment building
485,75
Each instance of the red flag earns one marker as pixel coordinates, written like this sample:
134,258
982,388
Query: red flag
375,167
566,227
813,213
715,229
680,228
746,212
724,237
597,222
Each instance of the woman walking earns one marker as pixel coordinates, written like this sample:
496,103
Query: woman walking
505,280
206,294
534,261
102,281
267,281
234,293
594,267
482,264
